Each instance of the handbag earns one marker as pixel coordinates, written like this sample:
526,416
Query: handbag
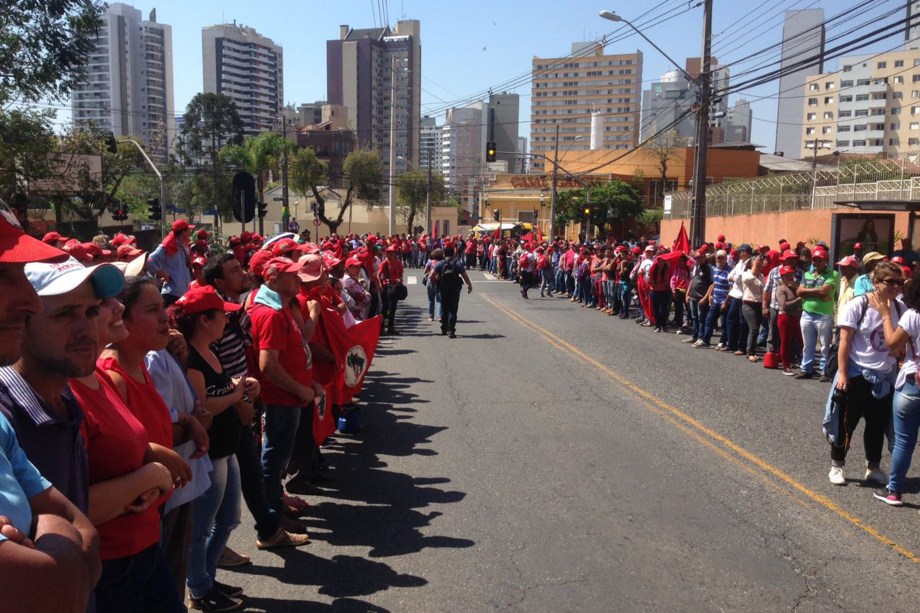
401,292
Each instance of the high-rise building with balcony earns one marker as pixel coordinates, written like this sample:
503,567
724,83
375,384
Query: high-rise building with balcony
248,68
129,81
567,91
375,73
803,39
430,143
870,106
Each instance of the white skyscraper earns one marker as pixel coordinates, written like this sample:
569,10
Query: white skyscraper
248,68
129,82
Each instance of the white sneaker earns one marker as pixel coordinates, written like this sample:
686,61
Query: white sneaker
688,340
698,344
836,476
876,476
721,346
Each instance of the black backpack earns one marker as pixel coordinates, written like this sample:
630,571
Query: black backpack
449,279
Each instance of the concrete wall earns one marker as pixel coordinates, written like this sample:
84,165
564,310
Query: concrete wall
769,228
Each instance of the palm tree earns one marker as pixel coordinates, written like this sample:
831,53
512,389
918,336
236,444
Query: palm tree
258,155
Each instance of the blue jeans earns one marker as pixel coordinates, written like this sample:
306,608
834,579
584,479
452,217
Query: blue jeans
709,327
215,514
815,326
433,299
624,291
698,314
660,308
277,447
734,329
137,584
906,423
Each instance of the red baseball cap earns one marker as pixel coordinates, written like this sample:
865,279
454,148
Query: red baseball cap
897,260
128,251
721,237
788,254
79,253
786,270
52,237
330,260
284,246
16,247
392,249
310,268
848,261
245,235
784,245
200,261
819,252
353,261
181,224
907,271
258,260
205,298
857,246
202,234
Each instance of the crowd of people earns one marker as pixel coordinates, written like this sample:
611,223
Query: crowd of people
853,323
145,396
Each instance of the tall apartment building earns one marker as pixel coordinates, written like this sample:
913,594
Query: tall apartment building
129,81
912,34
249,69
565,91
376,74
872,105
463,152
803,38
430,143
501,121
737,124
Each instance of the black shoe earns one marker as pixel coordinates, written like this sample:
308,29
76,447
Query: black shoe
452,335
824,379
804,375
230,591
215,601
443,331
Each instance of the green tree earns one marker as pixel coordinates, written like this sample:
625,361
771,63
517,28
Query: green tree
610,202
210,123
258,155
362,175
412,193
44,46
43,51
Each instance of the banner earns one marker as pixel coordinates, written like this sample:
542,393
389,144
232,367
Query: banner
353,349
323,419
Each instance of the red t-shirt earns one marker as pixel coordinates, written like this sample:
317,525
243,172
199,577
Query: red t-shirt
390,270
115,444
277,330
145,403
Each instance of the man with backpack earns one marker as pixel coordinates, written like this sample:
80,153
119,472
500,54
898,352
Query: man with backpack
448,276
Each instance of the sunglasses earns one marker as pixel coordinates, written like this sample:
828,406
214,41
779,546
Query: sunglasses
893,282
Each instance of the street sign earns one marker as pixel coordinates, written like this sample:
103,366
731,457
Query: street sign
317,222
244,197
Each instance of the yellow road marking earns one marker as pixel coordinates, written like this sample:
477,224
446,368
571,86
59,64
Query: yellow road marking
708,436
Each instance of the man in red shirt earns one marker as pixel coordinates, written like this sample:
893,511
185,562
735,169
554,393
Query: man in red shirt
286,370
391,277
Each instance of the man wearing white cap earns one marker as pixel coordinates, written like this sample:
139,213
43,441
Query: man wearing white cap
56,565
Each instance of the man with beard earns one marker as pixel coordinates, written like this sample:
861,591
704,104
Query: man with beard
56,565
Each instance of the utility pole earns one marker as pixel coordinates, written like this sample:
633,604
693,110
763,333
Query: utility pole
552,202
814,159
284,178
698,210
427,199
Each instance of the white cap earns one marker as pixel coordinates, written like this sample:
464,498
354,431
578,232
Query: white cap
66,276
134,268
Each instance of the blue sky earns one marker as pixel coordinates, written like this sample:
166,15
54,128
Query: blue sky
469,46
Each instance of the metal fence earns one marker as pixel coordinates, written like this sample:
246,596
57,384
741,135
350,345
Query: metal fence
891,179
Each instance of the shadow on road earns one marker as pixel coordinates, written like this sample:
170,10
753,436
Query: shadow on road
370,505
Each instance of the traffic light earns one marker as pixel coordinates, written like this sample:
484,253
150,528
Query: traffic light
490,151
496,214
263,209
153,209
587,211
119,211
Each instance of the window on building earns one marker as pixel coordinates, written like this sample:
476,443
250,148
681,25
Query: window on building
829,85
843,128
897,95
862,112
845,114
811,116
881,65
899,63
846,99
862,97
826,130
847,68
846,84
913,142
828,114
809,131
828,100
897,79
859,143
896,110
860,128
812,102
843,143
812,87
915,125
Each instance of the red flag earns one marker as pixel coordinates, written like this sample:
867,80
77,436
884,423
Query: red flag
323,419
682,242
539,234
362,344
497,235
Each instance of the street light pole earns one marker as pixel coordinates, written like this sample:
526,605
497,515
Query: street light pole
428,198
552,202
159,176
698,209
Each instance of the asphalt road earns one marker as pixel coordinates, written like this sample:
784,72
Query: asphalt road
556,459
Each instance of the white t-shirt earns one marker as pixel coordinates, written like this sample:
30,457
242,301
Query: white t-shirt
737,290
910,322
867,347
